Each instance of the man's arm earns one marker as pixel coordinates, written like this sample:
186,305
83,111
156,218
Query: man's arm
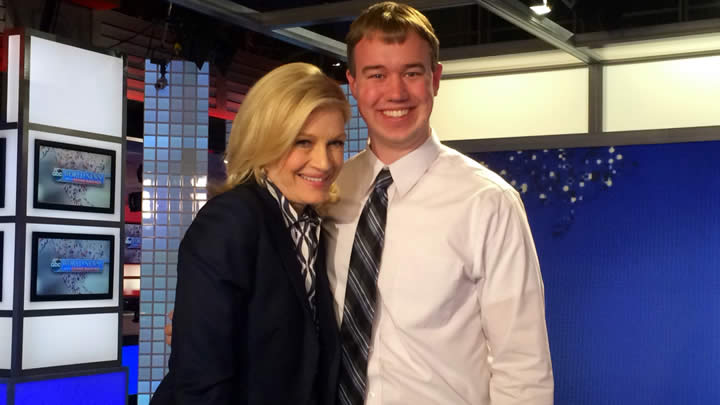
513,309
168,328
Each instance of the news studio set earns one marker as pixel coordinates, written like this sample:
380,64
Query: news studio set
602,116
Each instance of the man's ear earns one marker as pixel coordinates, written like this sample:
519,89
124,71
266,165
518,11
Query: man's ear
351,81
437,73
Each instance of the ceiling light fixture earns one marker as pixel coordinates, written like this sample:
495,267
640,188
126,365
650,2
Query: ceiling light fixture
541,9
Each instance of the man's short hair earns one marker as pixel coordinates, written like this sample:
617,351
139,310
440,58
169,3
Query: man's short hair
394,21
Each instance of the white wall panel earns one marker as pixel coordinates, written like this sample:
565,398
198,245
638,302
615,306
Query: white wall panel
13,81
11,137
8,258
5,343
93,230
666,94
59,340
74,88
523,104
660,47
513,61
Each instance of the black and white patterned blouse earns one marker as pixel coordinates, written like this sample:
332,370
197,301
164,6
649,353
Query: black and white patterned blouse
305,232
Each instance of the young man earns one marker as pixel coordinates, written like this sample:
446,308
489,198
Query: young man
451,309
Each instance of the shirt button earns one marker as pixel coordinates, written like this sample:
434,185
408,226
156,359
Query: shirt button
372,394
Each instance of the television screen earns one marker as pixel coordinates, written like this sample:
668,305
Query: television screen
133,239
71,266
3,159
73,177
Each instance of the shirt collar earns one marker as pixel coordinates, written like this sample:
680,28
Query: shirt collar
407,170
291,216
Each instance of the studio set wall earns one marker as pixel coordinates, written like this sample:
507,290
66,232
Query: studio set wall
63,141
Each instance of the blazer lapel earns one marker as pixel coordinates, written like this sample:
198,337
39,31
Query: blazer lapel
329,334
285,246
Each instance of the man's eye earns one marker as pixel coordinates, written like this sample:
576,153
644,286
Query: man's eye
376,76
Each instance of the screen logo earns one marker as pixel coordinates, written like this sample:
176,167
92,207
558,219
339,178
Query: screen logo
74,176
132,242
77,265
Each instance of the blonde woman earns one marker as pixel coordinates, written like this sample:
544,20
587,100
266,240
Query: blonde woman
254,320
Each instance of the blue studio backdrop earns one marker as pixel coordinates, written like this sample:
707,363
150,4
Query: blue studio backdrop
629,246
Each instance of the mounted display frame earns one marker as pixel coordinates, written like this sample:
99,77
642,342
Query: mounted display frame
8,171
71,266
69,197
73,177
7,261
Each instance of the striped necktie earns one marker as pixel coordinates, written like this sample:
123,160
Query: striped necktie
361,294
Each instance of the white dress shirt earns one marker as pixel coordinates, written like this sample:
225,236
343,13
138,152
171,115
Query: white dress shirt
461,314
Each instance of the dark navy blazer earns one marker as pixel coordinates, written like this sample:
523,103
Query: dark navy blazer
243,332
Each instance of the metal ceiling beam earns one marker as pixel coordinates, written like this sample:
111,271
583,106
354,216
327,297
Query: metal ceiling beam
521,16
341,11
603,38
494,49
589,40
248,18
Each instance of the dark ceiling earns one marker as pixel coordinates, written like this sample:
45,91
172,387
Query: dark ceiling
471,25
456,27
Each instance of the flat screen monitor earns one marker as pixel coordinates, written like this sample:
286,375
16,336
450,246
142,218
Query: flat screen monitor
73,177
133,239
68,266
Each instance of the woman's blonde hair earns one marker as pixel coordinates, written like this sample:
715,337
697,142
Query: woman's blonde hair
272,115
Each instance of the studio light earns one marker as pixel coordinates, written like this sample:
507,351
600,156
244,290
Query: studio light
162,81
540,9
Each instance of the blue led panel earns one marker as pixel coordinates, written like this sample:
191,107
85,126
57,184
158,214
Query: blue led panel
627,239
174,188
3,394
106,389
130,360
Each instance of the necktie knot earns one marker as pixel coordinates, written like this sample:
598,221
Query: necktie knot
383,179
